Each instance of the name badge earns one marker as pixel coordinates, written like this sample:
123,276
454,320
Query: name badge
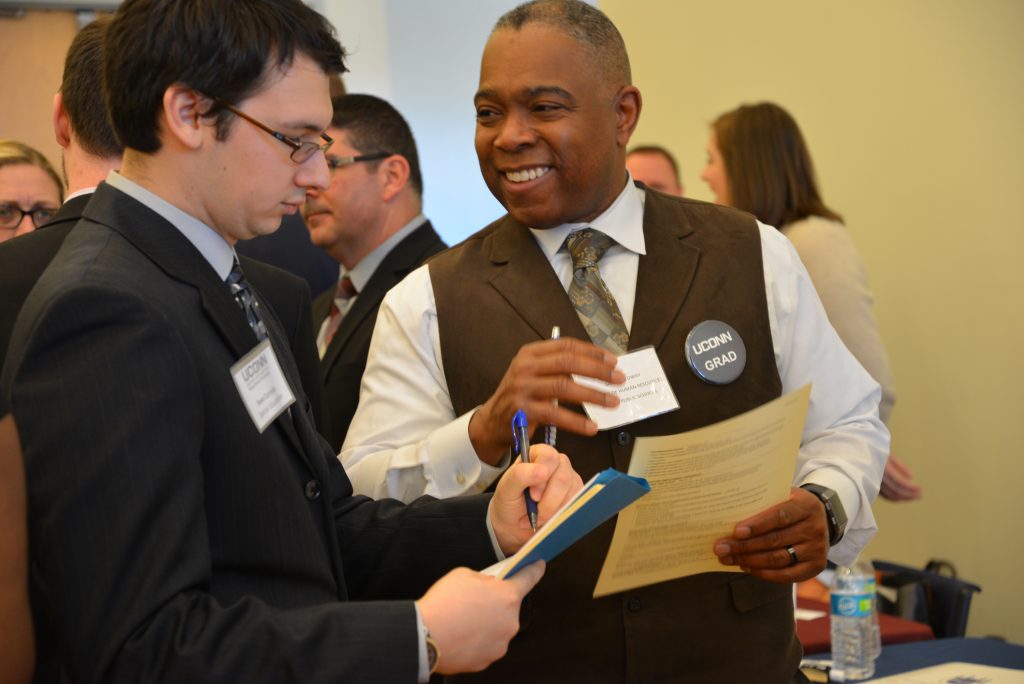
716,352
262,385
645,393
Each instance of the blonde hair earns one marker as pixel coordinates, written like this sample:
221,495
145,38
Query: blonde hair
13,152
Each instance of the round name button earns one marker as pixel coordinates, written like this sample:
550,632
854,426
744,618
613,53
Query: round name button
715,352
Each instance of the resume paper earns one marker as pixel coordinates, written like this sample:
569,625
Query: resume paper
703,482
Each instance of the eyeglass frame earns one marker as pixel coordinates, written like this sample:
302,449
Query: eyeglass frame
27,212
336,163
297,145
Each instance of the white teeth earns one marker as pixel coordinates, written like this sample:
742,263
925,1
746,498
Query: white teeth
526,174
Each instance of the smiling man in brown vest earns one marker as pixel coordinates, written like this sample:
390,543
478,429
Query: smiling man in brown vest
462,343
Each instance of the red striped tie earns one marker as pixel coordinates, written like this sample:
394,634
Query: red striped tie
346,290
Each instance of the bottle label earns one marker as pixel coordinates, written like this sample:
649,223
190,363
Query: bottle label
851,605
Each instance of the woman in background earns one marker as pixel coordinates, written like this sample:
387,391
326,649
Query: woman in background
758,162
30,190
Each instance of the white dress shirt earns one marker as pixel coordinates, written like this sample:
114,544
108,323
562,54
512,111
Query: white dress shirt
405,439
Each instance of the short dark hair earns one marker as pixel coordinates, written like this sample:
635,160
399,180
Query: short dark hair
659,150
224,49
768,165
584,23
80,87
373,125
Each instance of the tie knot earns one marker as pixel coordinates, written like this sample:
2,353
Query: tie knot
235,277
346,290
586,247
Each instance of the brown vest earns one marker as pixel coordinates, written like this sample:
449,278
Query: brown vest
496,292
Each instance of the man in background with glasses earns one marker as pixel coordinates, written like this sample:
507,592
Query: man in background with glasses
370,220
187,522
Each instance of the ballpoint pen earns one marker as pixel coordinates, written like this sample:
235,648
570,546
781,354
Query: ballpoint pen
550,431
521,439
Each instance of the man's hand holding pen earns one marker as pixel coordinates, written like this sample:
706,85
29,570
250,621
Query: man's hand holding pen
539,374
548,478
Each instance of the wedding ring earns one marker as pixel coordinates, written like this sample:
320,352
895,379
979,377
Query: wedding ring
792,554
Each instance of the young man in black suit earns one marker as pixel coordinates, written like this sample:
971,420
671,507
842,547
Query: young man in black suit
370,220
188,523
90,152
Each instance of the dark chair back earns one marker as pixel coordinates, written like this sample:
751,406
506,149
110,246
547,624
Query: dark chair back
927,596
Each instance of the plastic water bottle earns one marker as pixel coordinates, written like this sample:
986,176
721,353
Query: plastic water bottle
868,570
853,625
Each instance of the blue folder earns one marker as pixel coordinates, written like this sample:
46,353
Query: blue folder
603,496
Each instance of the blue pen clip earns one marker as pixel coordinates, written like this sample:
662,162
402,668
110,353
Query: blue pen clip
521,440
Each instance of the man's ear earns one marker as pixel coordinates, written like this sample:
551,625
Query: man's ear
61,125
395,172
628,104
181,116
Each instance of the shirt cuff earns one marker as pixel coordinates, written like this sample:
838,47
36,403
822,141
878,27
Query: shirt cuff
490,532
452,467
845,552
423,674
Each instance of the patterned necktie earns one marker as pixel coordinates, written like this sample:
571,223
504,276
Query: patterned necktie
346,291
594,304
247,302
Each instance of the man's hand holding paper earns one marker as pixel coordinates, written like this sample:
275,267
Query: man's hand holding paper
759,545
705,480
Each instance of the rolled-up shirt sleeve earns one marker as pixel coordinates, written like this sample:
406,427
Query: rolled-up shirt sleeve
845,444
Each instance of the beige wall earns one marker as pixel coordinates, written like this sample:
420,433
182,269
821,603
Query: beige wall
31,63
913,112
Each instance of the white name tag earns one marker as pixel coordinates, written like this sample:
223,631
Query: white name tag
645,393
262,385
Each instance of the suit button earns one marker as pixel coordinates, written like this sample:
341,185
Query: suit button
635,605
624,438
312,490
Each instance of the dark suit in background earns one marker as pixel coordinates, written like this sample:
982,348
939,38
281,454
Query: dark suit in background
23,260
290,248
345,357
168,529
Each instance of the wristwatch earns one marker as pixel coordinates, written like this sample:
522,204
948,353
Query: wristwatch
432,654
835,514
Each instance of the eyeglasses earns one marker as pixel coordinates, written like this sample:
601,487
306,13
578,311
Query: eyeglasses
11,215
301,149
339,162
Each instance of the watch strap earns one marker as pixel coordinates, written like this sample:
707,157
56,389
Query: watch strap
835,515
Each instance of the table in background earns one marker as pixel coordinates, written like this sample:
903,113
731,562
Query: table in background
921,654
815,635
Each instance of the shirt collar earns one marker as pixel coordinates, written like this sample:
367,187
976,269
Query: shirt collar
361,273
623,221
79,193
214,248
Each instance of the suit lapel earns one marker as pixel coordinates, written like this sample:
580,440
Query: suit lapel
665,273
400,261
525,279
290,422
164,244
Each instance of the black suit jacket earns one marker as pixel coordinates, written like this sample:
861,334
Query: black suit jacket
23,260
170,539
343,363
